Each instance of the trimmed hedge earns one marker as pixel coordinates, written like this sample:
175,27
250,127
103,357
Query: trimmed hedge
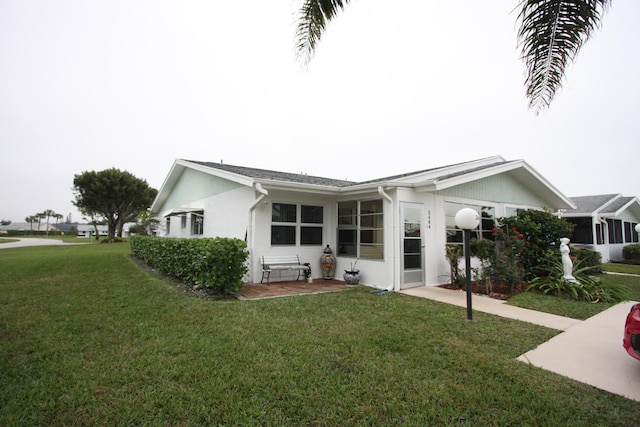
217,263
631,254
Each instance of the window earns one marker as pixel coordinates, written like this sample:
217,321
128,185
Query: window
487,221
168,225
630,235
311,225
599,234
285,223
615,231
197,223
511,211
183,221
361,229
583,231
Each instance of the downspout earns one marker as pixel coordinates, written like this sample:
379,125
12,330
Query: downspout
395,238
263,193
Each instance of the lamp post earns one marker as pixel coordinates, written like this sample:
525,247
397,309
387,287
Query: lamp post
637,227
467,219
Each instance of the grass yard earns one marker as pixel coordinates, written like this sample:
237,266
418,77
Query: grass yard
583,309
89,338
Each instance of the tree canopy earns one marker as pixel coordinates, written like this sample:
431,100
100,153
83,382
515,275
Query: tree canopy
117,196
550,35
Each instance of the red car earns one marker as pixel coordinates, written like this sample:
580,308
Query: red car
631,340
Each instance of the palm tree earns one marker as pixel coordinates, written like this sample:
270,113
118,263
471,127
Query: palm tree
31,219
550,35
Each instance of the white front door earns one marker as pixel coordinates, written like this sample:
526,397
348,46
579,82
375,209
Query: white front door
412,245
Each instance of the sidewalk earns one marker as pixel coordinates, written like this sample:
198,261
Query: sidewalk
589,351
493,306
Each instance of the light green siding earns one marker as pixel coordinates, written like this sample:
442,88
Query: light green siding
500,188
194,185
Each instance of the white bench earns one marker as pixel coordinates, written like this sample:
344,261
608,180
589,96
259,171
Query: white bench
283,263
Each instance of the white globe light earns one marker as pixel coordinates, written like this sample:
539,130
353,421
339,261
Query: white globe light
637,228
467,219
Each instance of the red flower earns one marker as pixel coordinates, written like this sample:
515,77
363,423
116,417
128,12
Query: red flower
520,236
513,228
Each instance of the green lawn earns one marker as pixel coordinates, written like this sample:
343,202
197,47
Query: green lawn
88,338
582,309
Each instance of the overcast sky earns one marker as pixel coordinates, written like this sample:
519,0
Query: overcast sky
395,86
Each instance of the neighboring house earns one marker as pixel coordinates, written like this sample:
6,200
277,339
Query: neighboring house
89,230
605,223
26,227
396,227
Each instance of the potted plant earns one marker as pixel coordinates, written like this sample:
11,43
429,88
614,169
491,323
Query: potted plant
352,275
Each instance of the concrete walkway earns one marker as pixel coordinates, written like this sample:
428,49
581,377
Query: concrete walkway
589,351
33,242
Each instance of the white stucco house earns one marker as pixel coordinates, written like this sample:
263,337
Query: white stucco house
604,223
396,227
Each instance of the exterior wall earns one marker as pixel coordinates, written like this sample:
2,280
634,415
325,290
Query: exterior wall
261,244
372,272
193,186
225,215
500,188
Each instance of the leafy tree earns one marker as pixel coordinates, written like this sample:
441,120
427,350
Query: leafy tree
541,232
5,222
550,35
116,195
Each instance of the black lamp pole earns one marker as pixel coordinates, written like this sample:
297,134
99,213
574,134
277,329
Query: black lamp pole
467,260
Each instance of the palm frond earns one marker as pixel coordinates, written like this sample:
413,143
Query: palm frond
314,16
551,34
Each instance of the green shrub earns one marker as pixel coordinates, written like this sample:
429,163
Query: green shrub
631,254
217,263
588,258
541,231
586,288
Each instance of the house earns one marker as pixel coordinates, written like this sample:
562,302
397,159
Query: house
604,223
395,227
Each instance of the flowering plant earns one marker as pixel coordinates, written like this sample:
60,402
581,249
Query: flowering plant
505,262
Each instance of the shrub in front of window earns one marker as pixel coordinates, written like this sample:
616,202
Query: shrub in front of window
631,254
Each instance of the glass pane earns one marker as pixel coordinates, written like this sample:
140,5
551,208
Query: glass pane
411,230
311,214
372,251
283,213
412,214
412,261
310,235
372,221
454,236
371,236
412,246
347,244
371,207
283,235
347,213
451,209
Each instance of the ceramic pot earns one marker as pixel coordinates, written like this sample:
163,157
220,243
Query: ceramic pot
328,264
351,277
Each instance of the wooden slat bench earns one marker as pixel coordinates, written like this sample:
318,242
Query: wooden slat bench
283,263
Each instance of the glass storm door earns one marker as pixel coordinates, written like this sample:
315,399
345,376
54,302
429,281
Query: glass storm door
412,245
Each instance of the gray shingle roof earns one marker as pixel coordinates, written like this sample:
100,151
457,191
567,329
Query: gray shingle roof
315,180
590,204
275,175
